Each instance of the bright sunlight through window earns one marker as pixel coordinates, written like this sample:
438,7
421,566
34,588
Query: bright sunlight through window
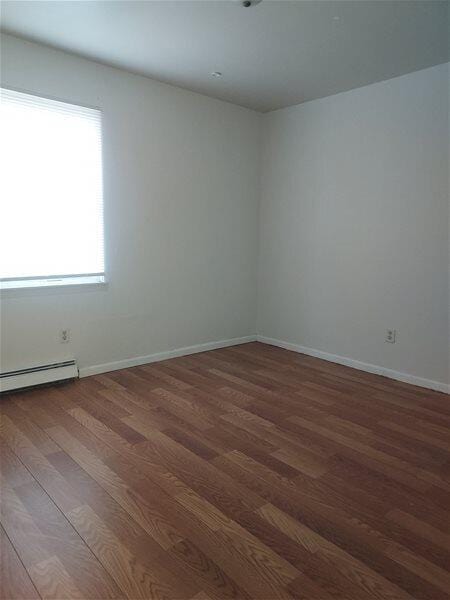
51,212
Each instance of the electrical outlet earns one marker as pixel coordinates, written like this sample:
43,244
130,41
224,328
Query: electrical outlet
64,336
390,336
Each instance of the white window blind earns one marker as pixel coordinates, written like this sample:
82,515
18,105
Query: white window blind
51,205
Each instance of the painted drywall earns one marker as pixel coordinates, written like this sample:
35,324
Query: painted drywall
354,224
181,200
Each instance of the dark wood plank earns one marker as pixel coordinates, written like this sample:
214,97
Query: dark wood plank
15,583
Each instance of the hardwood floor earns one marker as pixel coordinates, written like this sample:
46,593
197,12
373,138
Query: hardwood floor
247,472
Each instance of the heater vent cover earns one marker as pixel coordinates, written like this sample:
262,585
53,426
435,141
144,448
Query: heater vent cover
23,378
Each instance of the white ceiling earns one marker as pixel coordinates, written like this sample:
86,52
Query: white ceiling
272,55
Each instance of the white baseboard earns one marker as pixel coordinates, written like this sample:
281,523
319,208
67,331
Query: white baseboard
151,358
356,364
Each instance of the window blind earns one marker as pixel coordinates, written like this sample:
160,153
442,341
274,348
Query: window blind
51,207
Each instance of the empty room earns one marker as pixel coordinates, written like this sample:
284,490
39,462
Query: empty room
224,300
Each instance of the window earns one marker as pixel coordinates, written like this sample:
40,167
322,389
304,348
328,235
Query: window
51,207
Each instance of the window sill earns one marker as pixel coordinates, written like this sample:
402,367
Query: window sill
55,282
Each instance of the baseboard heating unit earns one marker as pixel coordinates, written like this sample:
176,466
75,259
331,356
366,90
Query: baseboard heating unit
24,378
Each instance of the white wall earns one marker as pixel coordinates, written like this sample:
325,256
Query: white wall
354,224
181,201
353,215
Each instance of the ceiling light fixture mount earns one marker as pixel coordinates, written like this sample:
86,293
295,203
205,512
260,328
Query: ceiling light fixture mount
249,3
